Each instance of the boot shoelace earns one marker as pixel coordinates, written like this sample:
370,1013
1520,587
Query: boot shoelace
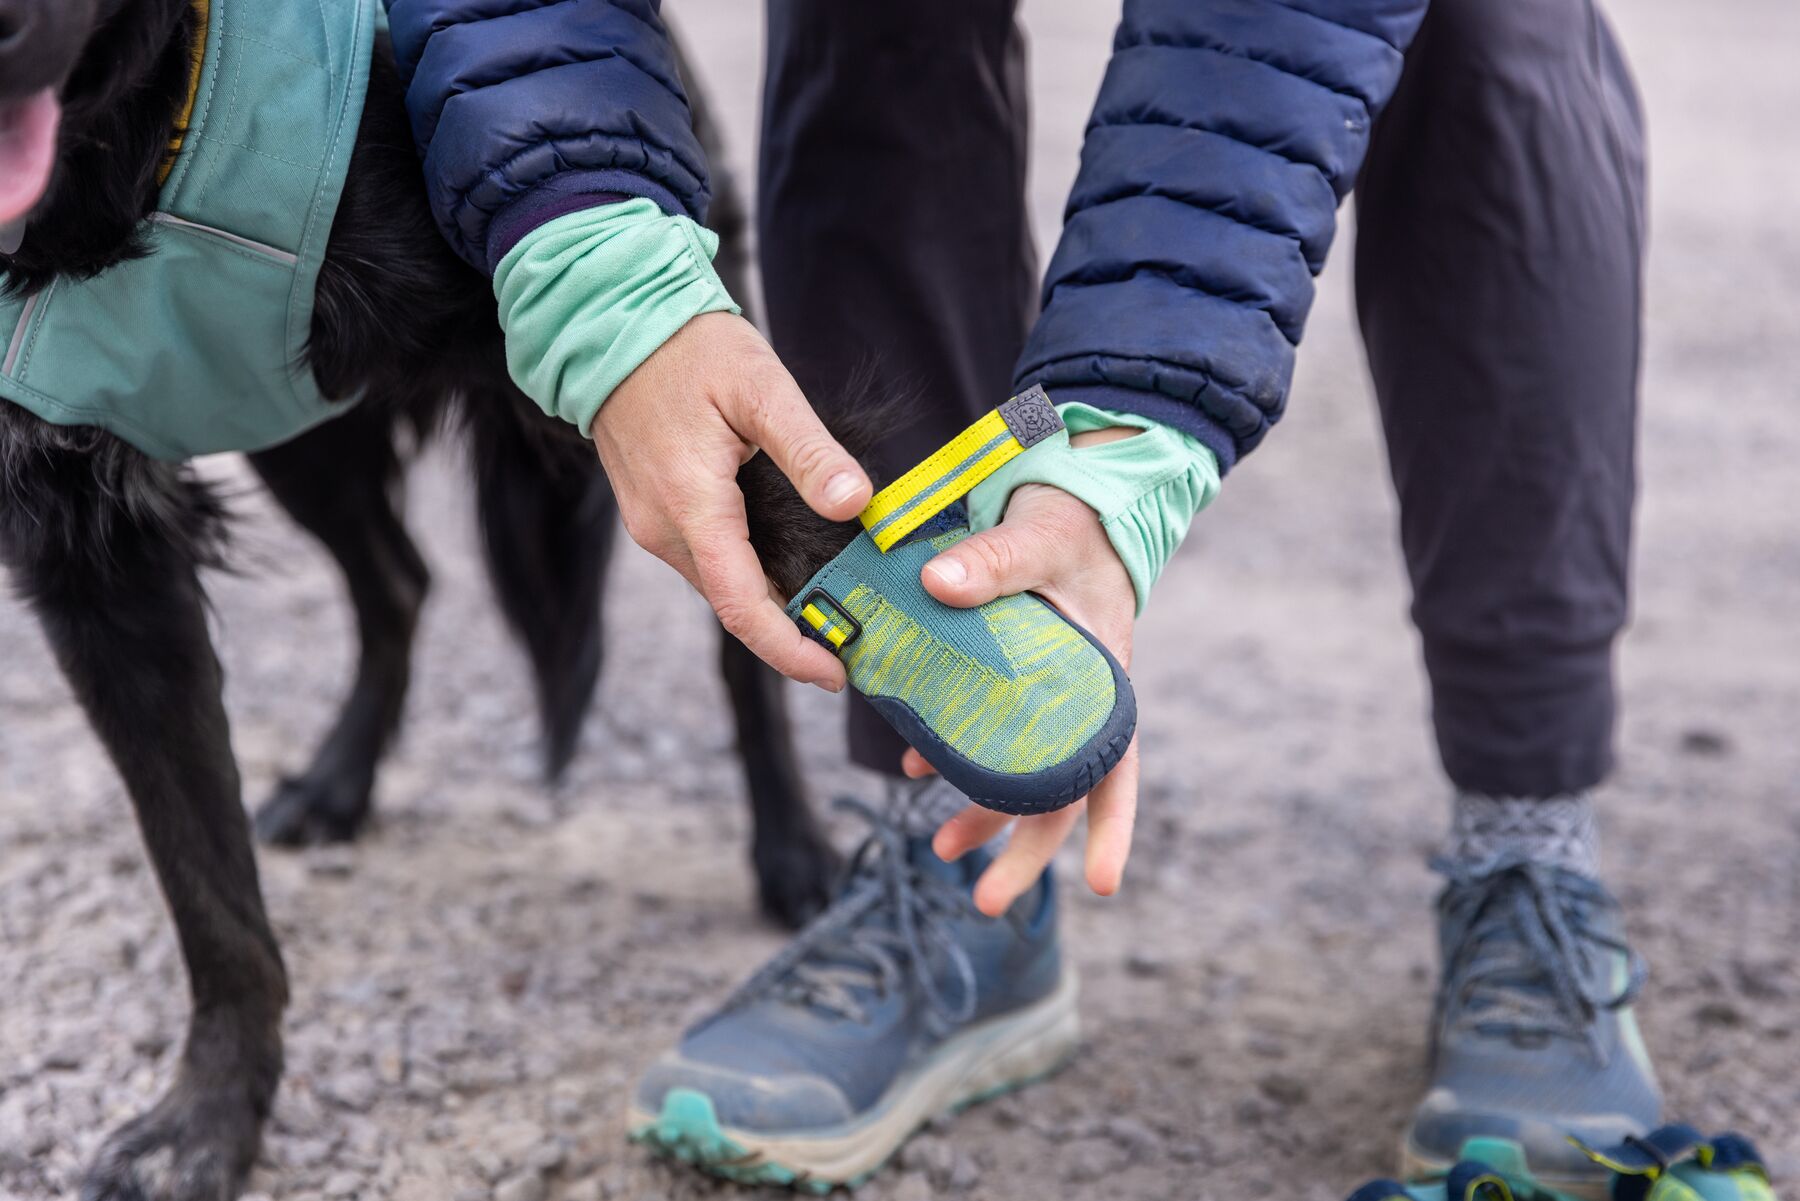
879,935
1521,949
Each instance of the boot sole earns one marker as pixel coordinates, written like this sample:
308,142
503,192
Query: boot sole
982,1062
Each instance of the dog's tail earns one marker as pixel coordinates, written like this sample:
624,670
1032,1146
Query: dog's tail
548,519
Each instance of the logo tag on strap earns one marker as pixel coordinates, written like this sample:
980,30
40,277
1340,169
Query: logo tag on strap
928,489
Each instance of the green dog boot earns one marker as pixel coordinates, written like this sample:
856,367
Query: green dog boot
1672,1163
1488,1169
1677,1163
1016,706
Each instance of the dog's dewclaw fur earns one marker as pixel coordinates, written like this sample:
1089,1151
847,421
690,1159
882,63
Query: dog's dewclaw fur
106,545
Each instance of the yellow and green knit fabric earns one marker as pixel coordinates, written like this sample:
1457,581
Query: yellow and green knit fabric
1010,686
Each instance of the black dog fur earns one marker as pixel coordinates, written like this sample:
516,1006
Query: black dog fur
105,546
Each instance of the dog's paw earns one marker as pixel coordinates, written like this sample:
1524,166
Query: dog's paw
796,877
193,1146
313,809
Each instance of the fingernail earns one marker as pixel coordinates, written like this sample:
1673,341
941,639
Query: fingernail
948,571
841,488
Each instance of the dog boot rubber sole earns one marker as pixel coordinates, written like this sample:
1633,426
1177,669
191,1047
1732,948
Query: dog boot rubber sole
1013,704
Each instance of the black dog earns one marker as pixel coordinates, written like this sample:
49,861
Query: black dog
105,544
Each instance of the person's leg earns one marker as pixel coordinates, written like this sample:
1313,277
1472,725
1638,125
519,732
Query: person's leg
891,219
893,238
1498,265
1498,262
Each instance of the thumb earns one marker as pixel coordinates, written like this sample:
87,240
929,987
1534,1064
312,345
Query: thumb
994,563
776,417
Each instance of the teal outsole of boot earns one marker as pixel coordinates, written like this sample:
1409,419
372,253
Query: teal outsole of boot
688,1131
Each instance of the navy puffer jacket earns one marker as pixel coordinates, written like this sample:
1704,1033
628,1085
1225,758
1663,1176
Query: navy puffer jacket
1225,134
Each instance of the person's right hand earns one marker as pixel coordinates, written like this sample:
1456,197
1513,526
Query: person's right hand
672,438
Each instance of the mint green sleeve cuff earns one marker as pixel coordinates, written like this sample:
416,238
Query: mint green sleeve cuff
586,298
1145,488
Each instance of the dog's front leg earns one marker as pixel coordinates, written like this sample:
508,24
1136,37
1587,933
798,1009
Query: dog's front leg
103,544
796,869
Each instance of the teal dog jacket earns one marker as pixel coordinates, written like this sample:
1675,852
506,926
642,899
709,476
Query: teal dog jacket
199,347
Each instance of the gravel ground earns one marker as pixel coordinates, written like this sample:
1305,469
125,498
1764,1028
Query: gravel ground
479,981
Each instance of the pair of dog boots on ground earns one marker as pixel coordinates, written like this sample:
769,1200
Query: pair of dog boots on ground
1672,1163
1012,703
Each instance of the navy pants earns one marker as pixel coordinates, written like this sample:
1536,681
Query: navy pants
1498,278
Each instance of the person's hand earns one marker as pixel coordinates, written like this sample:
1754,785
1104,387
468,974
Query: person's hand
1051,544
672,438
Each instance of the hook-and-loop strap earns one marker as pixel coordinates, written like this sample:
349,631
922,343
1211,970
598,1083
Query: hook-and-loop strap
946,476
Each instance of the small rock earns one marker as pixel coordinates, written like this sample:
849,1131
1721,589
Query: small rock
526,1186
330,862
914,1186
489,1165
549,1155
1253,1111
584,1190
390,1065
1719,1013
1266,1045
343,1184
1283,1089
929,1155
304,1152
618,1185
567,1110
529,815
514,1141
1146,963
424,1084
1133,1135
1760,981
1707,744
938,1160
1008,1112
65,1057
354,1090
1092,1159
965,1175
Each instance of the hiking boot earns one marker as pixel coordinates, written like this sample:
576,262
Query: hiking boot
899,1003
1534,1042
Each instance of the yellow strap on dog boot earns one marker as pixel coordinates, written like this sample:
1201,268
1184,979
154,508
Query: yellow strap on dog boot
1016,706
946,477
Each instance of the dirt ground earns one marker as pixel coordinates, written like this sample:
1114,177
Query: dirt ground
478,983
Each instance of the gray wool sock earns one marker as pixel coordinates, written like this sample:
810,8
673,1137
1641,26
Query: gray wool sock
1555,831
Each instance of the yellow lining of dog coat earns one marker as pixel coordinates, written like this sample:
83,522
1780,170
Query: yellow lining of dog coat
203,10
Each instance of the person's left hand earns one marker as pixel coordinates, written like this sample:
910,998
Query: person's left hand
1051,544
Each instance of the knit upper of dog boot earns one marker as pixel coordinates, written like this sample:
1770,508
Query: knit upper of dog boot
1016,706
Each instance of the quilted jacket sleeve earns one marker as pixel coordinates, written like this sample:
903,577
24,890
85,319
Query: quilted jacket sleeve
1224,136
527,109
